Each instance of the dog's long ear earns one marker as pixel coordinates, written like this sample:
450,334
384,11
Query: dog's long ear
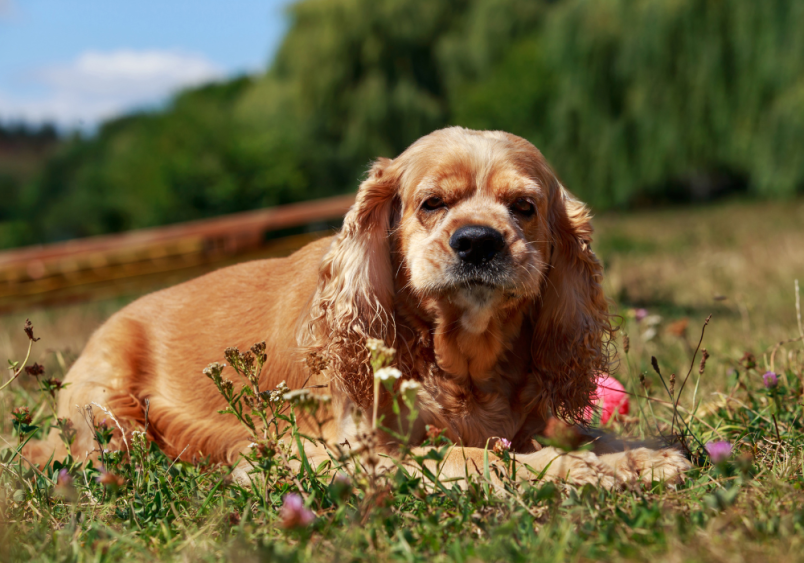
571,328
354,297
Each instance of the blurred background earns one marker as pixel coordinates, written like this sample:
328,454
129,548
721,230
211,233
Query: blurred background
680,122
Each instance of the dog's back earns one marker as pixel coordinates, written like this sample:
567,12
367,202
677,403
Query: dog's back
156,349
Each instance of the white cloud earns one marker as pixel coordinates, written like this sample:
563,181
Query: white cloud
99,85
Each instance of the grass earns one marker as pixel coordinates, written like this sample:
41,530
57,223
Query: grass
736,261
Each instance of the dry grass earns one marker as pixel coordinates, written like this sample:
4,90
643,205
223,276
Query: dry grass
737,261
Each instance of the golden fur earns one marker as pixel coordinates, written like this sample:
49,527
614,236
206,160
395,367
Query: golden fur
496,354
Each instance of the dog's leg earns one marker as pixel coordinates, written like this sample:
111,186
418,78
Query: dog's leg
580,467
644,460
550,463
99,379
575,467
648,465
72,404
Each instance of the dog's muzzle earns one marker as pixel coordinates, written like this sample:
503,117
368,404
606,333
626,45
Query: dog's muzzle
477,244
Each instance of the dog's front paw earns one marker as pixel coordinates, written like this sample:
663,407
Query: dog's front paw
577,468
647,465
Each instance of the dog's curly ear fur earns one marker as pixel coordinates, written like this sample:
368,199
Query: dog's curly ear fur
571,325
354,298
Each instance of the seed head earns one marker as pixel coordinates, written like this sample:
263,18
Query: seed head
259,350
28,328
748,361
35,370
704,357
316,363
213,371
22,415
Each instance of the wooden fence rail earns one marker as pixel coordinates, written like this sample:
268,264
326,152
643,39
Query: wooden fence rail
136,261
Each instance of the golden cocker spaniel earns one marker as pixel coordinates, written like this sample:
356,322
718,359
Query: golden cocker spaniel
465,254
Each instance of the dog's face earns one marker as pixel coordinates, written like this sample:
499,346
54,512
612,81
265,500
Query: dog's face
470,238
473,231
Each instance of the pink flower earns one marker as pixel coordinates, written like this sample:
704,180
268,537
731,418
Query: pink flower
501,446
294,514
64,478
770,380
640,314
718,451
610,397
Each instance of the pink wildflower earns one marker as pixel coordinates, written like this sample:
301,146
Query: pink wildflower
718,451
64,479
501,446
294,514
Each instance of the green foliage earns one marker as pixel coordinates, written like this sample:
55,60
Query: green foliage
631,100
626,98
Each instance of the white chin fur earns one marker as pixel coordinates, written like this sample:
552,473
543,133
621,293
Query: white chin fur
478,304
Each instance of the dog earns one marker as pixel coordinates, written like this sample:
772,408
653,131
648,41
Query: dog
465,254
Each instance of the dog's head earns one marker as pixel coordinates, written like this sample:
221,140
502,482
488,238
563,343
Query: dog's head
476,231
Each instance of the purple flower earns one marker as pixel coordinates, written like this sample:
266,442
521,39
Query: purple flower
64,479
64,486
770,379
294,514
718,451
640,314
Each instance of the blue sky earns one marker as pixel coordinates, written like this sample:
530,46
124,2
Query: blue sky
78,62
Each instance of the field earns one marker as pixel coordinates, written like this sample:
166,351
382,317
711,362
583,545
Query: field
736,261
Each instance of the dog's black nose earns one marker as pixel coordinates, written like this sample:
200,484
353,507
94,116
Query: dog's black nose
476,244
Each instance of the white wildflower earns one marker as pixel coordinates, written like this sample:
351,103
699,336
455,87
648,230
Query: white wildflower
306,398
387,373
410,389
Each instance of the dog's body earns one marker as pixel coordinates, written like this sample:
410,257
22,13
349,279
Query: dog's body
465,254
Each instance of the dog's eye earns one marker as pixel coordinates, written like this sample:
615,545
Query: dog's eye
523,207
433,203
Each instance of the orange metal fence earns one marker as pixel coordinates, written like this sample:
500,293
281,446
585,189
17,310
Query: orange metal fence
133,262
